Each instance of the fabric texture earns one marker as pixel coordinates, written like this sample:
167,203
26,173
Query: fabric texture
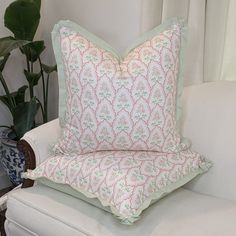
109,103
120,138
155,12
125,181
181,213
65,188
207,21
209,115
202,124
42,139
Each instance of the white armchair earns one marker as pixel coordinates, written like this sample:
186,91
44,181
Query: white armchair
209,115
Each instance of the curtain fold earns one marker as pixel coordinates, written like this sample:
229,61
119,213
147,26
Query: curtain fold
228,71
194,13
216,22
210,52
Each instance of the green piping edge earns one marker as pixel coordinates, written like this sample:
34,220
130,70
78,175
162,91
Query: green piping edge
203,167
102,44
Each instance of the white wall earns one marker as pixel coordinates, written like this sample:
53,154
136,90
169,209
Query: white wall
14,80
13,70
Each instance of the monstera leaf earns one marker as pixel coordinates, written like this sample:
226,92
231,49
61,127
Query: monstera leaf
22,18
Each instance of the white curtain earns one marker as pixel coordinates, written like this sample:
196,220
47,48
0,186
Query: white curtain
220,50
229,60
210,53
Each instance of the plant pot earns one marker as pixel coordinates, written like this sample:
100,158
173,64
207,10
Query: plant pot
12,160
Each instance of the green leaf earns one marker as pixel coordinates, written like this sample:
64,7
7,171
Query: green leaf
32,78
36,2
49,69
19,95
24,115
3,61
33,50
8,44
5,101
22,19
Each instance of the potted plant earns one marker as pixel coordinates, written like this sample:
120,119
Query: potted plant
22,19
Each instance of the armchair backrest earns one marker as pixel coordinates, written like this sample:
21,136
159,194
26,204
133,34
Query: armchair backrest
209,120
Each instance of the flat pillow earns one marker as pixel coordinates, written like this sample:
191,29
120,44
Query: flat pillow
125,181
113,103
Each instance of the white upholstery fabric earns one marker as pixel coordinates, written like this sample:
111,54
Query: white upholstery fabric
42,138
14,229
49,212
209,117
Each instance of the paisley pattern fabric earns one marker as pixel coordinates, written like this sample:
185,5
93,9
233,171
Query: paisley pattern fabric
120,104
120,142
126,181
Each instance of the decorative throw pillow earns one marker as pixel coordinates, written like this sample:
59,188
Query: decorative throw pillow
125,181
113,103
108,105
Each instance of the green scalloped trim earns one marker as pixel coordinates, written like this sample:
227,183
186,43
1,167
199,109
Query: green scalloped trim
203,167
102,44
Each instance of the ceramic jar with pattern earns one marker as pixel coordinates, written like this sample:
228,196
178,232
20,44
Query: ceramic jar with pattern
11,159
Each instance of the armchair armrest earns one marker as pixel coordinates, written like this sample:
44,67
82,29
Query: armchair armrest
42,138
36,145
209,120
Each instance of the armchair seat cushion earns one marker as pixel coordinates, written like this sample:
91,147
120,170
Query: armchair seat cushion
56,213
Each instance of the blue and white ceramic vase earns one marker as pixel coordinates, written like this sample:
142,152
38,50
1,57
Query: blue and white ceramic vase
11,159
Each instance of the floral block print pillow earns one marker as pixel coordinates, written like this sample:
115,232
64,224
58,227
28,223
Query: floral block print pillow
125,181
113,103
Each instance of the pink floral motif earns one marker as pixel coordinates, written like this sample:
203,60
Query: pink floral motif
136,96
123,180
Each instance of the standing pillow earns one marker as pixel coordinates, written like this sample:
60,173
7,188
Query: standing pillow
108,105
108,102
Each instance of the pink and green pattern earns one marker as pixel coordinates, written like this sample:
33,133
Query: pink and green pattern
126,181
120,141
119,104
